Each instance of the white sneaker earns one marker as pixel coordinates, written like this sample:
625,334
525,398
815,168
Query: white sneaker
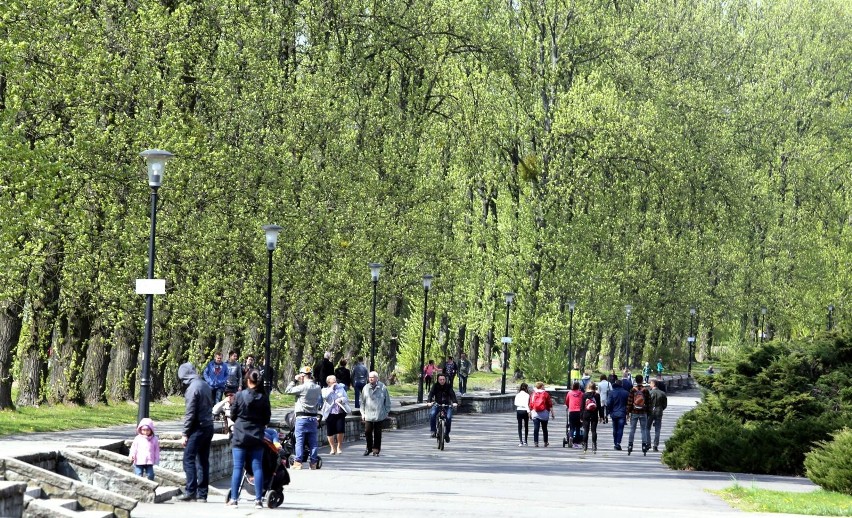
520,444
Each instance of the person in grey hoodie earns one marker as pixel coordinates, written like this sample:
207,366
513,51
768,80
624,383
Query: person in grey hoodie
376,406
197,434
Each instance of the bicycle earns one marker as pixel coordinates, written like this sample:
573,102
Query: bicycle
441,425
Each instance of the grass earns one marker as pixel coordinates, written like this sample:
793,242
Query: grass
815,503
51,418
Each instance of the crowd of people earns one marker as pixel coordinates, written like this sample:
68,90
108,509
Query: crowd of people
235,394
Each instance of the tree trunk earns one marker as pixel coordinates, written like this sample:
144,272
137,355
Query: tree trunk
95,367
11,322
65,366
460,337
488,354
609,359
474,352
121,369
44,307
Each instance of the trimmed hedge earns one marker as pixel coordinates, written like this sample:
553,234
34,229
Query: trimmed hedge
830,464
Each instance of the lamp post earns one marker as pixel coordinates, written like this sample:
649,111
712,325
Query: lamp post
374,274
830,314
762,323
156,163
510,296
271,242
571,305
690,342
427,284
627,309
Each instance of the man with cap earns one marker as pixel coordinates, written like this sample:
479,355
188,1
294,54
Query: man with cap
197,434
307,412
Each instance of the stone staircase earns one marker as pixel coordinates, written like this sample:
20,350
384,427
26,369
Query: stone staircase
37,504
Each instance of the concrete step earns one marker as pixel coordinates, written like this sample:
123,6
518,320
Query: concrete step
165,493
34,492
60,508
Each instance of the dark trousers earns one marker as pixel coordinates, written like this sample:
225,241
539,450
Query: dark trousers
196,461
358,388
462,384
590,423
575,422
617,429
543,424
373,433
523,425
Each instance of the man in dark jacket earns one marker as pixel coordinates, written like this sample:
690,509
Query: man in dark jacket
197,434
659,402
442,393
617,405
637,409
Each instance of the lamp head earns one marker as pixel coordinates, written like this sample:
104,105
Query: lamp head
156,160
374,271
510,296
628,309
831,307
271,235
572,304
763,310
691,311
427,282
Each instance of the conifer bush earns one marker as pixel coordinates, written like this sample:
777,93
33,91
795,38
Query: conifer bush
829,465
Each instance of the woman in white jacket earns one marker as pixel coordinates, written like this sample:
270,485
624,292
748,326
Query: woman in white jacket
334,410
522,407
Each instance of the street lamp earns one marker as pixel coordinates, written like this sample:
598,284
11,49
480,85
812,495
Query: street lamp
627,309
427,283
510,296
571,305
156,162
690,343
271,242
762,323
374,274
830,314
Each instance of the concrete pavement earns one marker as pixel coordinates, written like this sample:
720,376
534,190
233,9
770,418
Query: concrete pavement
483,472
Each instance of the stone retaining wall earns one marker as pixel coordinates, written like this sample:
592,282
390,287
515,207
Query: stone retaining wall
12,498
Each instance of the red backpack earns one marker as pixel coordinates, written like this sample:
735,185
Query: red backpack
538,402
591,404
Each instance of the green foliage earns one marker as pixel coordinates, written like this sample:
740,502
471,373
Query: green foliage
814,503
764,411
545,364
829,464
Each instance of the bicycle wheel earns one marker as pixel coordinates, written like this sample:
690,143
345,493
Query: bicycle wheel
440,432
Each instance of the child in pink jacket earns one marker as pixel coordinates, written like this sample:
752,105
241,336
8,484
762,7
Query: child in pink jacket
145,450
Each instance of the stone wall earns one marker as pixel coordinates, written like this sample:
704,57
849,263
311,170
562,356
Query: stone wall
12,498
105,476
171,455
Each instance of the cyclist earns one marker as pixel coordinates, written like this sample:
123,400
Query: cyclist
442,393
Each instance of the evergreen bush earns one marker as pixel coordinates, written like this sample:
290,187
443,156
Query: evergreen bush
830,464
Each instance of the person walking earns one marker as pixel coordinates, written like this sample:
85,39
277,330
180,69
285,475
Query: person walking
326,369
429,375
574,406
658,403
541,410
450,369
660,368
627,380
359,379
522,409
590,404
377,405
617,404
464,372
197,433
335,407
251,413
342,374
235,370
216,375
248,366
145,450
309,395
604,386
637,409
646,371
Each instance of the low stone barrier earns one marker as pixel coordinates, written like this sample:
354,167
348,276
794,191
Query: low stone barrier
55,485
171,455
12,498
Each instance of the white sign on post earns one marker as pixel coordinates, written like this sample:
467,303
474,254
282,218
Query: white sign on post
151,286
506,340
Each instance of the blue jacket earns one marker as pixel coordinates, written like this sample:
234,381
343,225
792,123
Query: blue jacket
216,381
617,402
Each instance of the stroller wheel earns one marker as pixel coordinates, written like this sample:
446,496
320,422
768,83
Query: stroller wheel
319,462
564,442
274,499
291,460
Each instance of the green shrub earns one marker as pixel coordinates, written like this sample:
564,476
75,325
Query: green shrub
830,464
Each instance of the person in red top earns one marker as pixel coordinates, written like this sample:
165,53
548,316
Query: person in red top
574,401
541,409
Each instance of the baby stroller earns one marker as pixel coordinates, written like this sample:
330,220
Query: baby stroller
288,443
275,475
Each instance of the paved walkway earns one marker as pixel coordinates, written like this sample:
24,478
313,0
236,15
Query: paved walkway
483,472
